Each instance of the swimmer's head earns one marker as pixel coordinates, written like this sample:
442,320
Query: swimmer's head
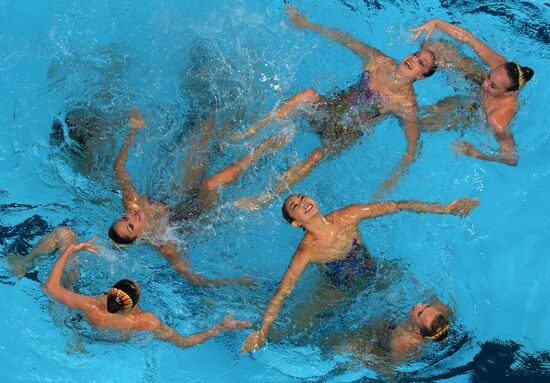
418,65
506,78
429,321
298,209
123,296
128,228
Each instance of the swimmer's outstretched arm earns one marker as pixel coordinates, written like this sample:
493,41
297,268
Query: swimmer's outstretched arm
53,287
361,49
129,193
168,334
507,153
297,266
170,252
461,207
488,55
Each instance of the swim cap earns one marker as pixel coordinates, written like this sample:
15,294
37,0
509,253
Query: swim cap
122,296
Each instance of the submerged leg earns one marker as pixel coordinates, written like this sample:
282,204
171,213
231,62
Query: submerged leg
308,96
295,174
58,239
453,112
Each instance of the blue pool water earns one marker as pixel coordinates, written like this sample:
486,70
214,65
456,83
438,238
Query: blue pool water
177,59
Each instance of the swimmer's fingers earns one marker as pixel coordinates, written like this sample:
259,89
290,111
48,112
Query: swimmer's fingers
253,342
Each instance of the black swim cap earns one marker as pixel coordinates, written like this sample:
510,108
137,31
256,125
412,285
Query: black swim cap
117,238
122,296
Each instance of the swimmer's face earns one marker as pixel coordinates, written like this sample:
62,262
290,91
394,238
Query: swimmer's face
422,315
301,208
497,82
131,225
416,65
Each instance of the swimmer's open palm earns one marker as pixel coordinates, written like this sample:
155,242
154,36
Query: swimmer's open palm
88,246
427,27
463,206
230,324
253,342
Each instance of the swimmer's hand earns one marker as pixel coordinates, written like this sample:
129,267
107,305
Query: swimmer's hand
427,27
463,206
230,324
87,246
253,342
136,119
299,20
465,148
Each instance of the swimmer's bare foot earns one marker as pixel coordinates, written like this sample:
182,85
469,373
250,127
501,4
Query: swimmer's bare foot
253,203
18,264
136,119
463,206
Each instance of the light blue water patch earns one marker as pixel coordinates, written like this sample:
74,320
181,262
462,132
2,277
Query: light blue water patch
237,60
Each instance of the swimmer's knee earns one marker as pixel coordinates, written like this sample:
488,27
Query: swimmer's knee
64,235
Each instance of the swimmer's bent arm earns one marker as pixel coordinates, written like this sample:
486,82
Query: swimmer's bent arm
488,55
53,287
129,194
361,49
460,207
297,266
170,252
507,153
412,134
168,334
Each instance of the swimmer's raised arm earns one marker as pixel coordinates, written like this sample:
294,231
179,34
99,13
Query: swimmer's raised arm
488,55
170,252
129,193
168,334
461,207
361,49
53,287
297,266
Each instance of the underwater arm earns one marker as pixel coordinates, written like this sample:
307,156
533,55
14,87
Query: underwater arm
412,135
489,56
361,49
297,266
170,252
129,194
53,287
168,334
507,152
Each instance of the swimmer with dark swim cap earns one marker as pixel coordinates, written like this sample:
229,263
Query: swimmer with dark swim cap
119,309
123,296
499,90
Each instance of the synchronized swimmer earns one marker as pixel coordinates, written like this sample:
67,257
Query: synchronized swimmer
331,241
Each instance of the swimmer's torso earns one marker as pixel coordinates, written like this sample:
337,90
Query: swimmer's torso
492,105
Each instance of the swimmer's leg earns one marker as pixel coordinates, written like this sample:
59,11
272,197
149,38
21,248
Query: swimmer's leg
292,176
452,112
231,173
58,239
194,164
308,96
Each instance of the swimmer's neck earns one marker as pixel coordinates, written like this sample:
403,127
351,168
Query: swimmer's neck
400,79
318,226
